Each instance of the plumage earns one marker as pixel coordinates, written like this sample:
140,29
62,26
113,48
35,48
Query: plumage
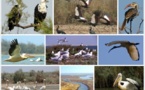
130,14
85,3
129,84
78,14
59,31
40,13
130,46
14,16
14,52
91,31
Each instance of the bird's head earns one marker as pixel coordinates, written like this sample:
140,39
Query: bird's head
133,5
118,79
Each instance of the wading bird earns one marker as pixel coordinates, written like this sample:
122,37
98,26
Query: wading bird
59,31
130,14
130,46
40,13
14,16
130,84
14,52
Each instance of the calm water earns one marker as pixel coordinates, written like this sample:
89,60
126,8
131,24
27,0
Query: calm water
24,62
82,86
86,77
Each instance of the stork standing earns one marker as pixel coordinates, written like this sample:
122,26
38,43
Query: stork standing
130,84
14,16
130,46
40,13
14,52
130,14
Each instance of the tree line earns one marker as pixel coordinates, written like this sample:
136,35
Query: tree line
25,47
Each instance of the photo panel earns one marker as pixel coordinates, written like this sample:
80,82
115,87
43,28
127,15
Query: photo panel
85,16
120,50
131,17
22,50
119,78
71,50
27,17
77,77
30,78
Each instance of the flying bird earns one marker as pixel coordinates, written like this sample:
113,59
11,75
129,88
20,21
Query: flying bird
14,52
130,14
78,14
40,13
129,84
130,46
62,40
14,16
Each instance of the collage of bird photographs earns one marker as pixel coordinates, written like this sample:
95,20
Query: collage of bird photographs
72,45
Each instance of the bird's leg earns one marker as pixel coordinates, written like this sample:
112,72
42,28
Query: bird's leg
126,31
130,26
114,48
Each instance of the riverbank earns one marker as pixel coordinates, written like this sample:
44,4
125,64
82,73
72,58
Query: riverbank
69,86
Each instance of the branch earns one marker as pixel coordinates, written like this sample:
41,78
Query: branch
24,27
140,26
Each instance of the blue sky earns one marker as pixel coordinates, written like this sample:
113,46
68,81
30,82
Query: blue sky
77,69
30,9
118,56
137,20
12,69
37,40
73,40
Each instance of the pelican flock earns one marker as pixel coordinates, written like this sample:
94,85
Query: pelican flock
129,84
130,46
14,52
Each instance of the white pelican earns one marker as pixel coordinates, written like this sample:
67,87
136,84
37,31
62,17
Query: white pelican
57,58
14,52
130,46
130,84
79,53
44,85
89,54
38,59
8,87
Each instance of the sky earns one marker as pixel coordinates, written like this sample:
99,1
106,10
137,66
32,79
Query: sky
11,69
37,40
137,20
72,40
77,69
119,56
6,7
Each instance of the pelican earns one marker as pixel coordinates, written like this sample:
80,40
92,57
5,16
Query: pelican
130,84
44,85
79,53
57,58
130,14
25,87
14,52
89,54
130,46
38,59
8,87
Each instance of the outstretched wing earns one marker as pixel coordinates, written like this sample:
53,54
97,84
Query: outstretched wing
14,48
115,42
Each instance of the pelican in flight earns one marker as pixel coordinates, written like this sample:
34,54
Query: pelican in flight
129,84
14,52
130,46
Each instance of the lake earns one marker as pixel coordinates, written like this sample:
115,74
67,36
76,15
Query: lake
24,62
